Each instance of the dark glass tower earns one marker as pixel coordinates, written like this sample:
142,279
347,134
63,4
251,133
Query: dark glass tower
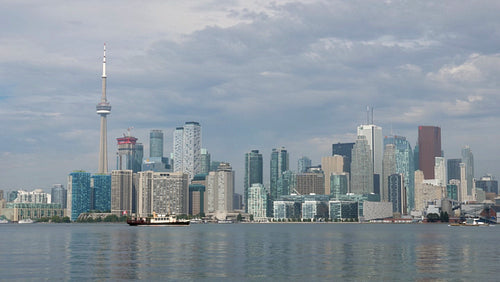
279,164
429,147
253,172
453,166
156,144
345,150
101,189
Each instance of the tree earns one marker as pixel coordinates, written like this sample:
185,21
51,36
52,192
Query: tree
66,219
433,217
239,217
251,217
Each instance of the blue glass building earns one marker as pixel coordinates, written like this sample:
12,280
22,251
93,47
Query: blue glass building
79,188
101,184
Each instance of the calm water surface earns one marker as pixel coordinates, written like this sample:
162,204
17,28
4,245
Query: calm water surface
249,252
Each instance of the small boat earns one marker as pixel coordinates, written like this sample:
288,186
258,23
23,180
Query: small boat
25,221
3,221
158,220
224,221
470,222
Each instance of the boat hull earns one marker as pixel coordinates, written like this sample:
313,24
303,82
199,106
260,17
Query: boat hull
139,223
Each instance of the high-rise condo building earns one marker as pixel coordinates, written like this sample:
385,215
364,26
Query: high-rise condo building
205,161
253,173
397,193
79,194
101,189
156,143
103,109
279,164
429,147
339,184
303,164
468,160
58,195
453,168
257,202
122,193
345,150
197,196
220,190
373,135
170,192
404,164
310,182
187,148
361,167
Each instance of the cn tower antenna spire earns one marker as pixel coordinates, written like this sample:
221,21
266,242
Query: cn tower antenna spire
103,109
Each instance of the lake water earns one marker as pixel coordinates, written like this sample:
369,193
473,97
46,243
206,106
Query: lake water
249,252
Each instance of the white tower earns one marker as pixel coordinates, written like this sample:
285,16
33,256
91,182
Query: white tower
103,109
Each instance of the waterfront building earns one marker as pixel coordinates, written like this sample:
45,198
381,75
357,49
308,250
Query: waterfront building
286,209
314,210
344,150
339,184
79,194
144,190
453,168
17,211
310,182
122,193
429,147
488,184
101,191
373,135
257,202
204,161
426,192
388,168
405,165
103,109
287,184
331,165
156,143
397,193
376,210
440,171
197,197
361,167
360,199
343,210
59,195
253,173
468,160
35,196
170,192
220,190
279,164
187,148
303,164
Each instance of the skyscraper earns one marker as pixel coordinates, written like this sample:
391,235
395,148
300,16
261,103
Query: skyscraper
303,164
468,160
79,193
345,150
279,164
58,195
429,147
397,193
205,161
253,173
122,195
101,189
220,190
389,168
405,165
257,201
171,193
453,167
361,167
130,153
187,148
440,171
331,165
374,139
103,109
156,143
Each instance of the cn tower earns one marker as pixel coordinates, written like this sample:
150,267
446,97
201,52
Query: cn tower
103,109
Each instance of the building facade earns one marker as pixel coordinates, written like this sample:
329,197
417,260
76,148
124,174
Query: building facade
79,194
373,135
344,150
59,195
279,164
310,183
220,191
361,167
187,148
156,143
331,165
253,173
257,202
122,192
429,147
101,191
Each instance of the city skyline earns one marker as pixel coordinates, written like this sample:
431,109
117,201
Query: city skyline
255,75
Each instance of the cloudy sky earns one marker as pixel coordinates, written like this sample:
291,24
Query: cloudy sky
255,74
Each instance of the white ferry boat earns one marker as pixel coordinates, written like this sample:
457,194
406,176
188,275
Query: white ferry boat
25,221
158,220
